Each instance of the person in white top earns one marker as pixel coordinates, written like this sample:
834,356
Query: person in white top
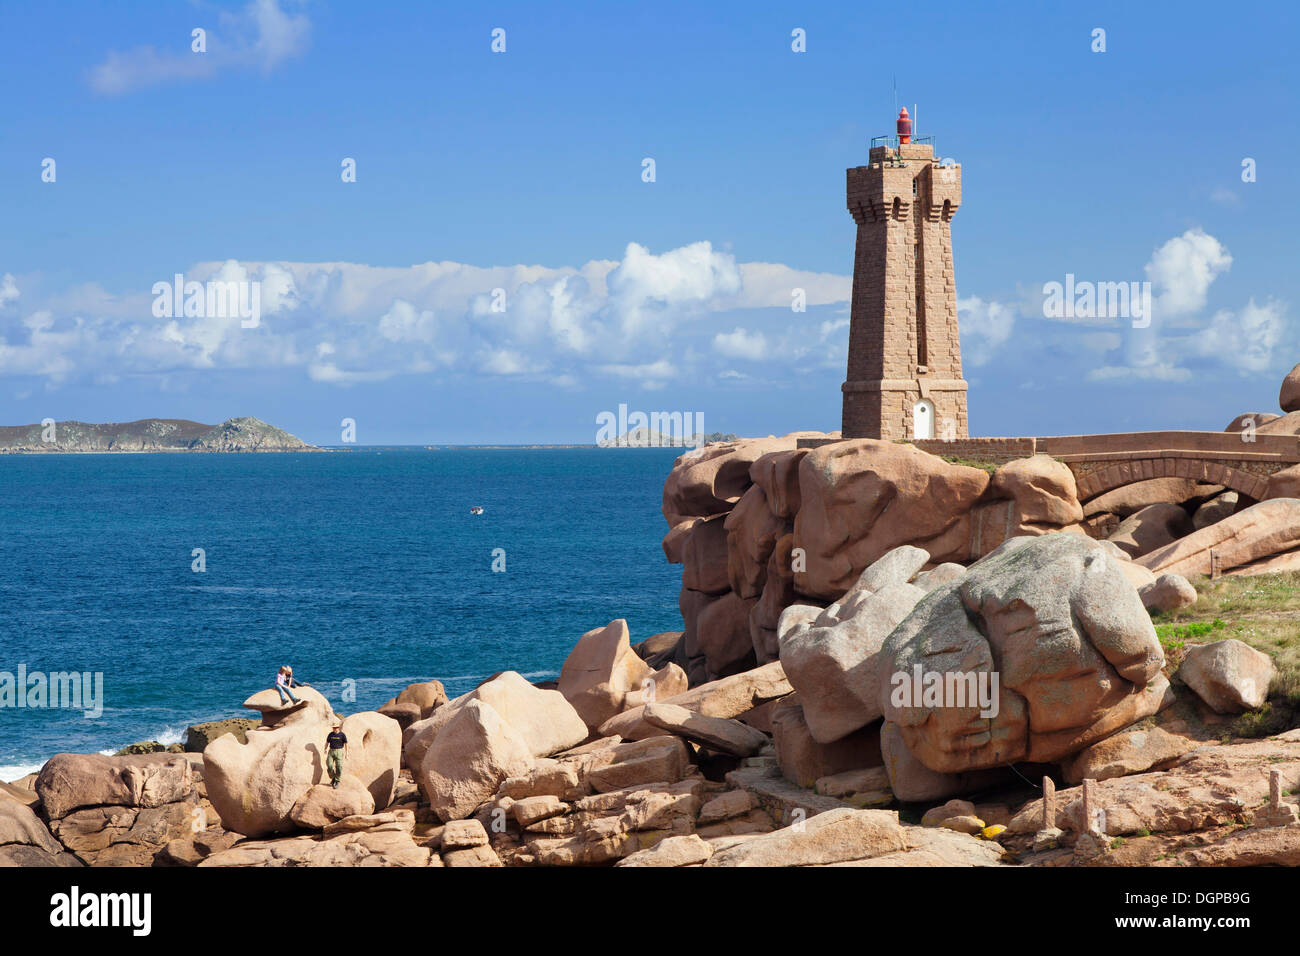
284,684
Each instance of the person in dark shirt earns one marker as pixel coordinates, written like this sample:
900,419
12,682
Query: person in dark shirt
336,747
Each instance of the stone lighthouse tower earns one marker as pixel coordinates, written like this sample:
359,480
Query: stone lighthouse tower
904,375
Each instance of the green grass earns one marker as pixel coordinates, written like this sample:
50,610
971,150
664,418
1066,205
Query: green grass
981,463
1174,637
1260,610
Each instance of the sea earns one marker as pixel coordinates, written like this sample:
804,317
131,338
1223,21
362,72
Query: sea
184,581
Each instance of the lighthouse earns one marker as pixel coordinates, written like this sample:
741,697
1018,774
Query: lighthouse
904,378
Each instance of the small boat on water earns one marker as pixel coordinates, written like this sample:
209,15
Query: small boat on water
476,510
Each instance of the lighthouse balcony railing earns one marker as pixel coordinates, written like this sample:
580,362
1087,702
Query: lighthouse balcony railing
892,141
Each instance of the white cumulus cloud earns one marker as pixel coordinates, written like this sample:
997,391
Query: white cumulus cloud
984,327
1182,270
740,343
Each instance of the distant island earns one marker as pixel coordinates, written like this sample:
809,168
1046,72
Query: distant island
649,438
148,435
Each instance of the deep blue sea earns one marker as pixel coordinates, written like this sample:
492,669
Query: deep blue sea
362,565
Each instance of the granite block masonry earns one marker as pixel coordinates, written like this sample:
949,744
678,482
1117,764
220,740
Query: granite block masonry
904,376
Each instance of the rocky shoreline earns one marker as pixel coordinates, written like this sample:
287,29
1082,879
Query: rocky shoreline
888,659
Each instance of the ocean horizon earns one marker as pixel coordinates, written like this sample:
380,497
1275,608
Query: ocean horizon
364,571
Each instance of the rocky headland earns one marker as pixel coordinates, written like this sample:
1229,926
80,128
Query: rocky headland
888,659
148,435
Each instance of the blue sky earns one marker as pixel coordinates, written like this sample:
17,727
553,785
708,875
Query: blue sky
522,171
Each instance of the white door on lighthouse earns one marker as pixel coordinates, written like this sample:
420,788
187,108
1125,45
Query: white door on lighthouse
923,419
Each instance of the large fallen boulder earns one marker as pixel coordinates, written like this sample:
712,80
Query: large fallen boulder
415,702
1230,676
1131,498
1130,751
1029,496
603,676
777,473
804,760
778,594
913,782
719,635
25,840
470,757
862,498
704,556
427,695
831,658
1252,535
658,649
1167,593
311,705
752,533
1153,527
1040,649
545,720
70,781
1215,510
1284,483
374,754
324,804
720,734
254,785
710,480
728,697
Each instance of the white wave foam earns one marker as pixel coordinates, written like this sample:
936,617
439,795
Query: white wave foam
10,772
170,735
403,682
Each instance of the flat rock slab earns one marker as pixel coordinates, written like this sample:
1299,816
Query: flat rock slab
726,697
779,796
833,837
267,701
937,847
717,733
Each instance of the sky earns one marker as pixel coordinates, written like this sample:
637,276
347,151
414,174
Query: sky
502,267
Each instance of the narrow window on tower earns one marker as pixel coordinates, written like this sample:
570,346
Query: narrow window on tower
918,276
920,332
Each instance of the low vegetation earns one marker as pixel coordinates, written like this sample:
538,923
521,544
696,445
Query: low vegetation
1260,610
